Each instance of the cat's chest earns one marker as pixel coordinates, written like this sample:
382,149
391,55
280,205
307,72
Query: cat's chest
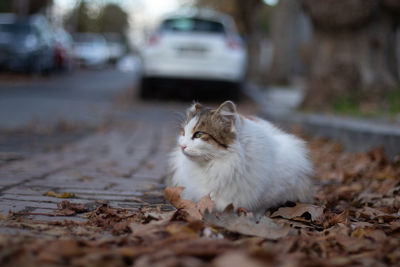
216,180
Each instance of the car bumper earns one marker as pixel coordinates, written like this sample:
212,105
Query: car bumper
229,69
17,61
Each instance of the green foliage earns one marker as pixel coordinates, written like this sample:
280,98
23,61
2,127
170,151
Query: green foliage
235,9
110,18
79,20
386,105
393,99
347,105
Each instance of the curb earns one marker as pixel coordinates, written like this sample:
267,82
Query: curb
356,135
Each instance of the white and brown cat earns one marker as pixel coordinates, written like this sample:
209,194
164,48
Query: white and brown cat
244,161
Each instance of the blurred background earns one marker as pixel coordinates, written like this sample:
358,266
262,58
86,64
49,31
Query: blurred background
72,60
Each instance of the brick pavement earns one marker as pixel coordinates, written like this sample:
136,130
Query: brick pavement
124,166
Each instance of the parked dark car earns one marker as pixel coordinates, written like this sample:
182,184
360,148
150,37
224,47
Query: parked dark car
26,44
63,47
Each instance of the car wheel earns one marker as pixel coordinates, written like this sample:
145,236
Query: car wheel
36,66
146,88
235,91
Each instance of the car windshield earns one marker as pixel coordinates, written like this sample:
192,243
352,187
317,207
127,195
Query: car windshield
192,25
16,28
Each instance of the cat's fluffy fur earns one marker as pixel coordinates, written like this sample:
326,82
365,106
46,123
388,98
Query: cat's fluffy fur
252,165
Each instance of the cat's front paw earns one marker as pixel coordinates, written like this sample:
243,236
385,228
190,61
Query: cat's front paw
212,196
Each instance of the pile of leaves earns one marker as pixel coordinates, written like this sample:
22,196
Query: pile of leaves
354,221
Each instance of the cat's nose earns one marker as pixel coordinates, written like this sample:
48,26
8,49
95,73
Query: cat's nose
183,147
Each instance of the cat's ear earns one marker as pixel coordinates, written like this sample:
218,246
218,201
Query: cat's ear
226,114
193,109
228,108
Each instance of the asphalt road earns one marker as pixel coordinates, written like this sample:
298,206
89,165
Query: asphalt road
79,97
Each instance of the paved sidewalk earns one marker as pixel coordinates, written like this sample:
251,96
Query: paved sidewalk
124,166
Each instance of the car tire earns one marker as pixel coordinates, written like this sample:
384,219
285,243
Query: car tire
235,91
36,66
146,88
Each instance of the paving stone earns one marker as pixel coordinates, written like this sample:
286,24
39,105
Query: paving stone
9,206
39,198
12,205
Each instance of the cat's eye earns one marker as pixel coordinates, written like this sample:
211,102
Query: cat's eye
197,135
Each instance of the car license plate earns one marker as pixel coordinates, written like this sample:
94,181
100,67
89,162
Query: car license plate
191,50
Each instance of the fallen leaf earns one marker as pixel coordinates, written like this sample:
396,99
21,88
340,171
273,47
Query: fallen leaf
205,204
352,245
307,211
377,235
248,225
236,259
331,219
63,248
203,247
395,225
358,233
66,208
373,213
188,210
60,195
179,229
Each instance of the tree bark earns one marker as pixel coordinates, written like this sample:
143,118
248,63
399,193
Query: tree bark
352,51
289,33
248,11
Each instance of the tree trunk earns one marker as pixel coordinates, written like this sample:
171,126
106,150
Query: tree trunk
248,11
290,34
352,51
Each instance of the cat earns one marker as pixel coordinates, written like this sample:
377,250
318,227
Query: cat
238,160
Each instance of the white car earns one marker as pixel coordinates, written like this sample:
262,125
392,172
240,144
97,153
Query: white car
194,44
90,50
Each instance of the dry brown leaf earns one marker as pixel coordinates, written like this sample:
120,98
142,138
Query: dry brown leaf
307,211
56,250
359,232
331,219
361,225
377,235
247,225
66,208
236,259
139,229
372,213
188,210
352,245
203,247
395,225
60,195
205,204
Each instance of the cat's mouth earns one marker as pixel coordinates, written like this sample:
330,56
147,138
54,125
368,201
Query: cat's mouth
196,157
190,155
